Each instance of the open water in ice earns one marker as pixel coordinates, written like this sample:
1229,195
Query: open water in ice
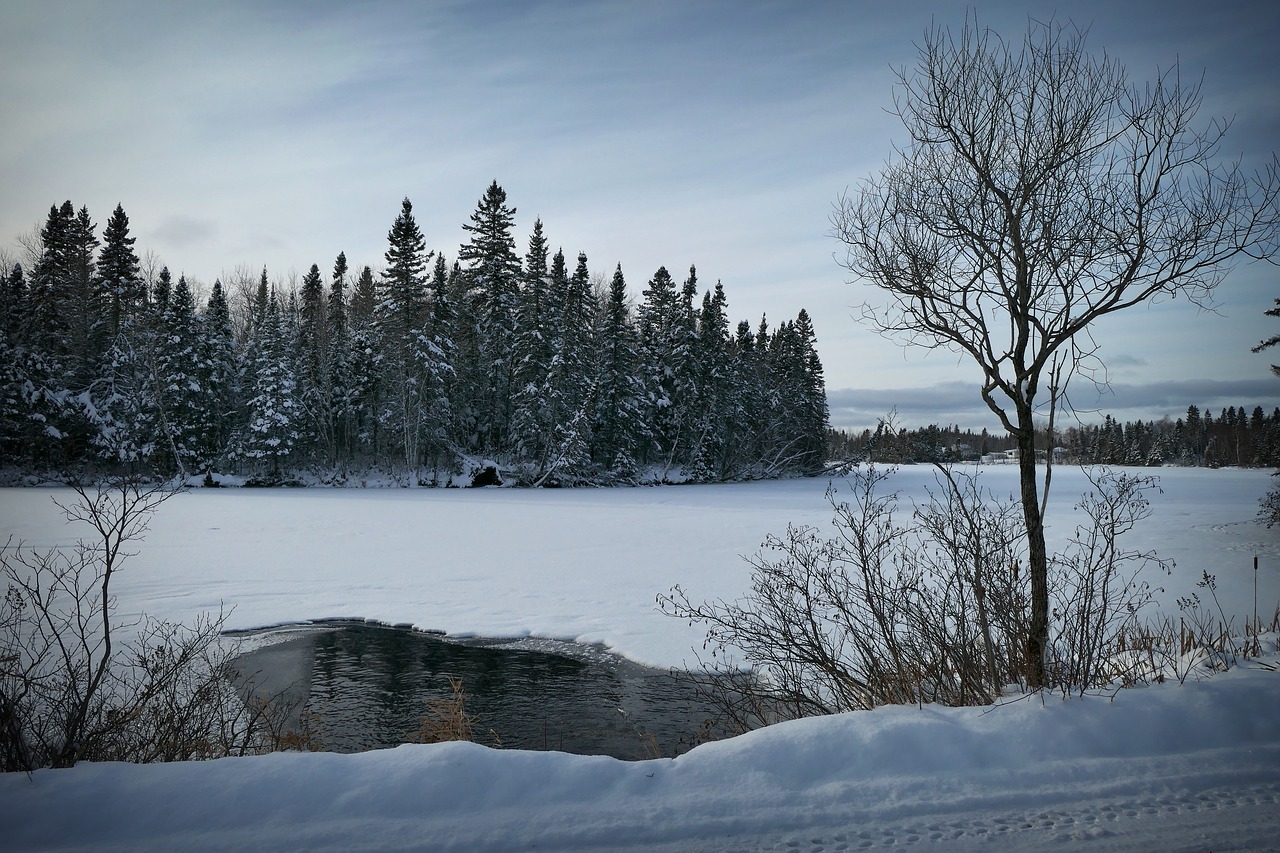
366,687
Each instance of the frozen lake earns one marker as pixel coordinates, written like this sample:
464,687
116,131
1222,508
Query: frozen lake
573,564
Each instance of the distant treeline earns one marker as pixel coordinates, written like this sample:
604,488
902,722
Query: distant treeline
426,369
1236,437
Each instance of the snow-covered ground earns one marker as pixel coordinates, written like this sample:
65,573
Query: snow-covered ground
1190,767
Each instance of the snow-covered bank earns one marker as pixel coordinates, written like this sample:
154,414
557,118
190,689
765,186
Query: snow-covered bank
1194,767
1190,767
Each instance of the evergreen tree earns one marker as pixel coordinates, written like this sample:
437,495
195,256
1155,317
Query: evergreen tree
533,352
665,340
402,305
50,313
618,425
493,276
312,351
31,405
163,288
712,414
186,421
337,426
1273,340
312,329
568,391
271,430
811,397
119,279
88,327
743,446
220,369
400,319
364,299
438,355
14,303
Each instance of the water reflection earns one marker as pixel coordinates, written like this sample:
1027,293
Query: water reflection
368,687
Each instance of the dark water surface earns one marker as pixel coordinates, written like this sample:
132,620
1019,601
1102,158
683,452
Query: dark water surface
368,687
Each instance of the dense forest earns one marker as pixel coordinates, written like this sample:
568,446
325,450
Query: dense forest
530,370
1236,437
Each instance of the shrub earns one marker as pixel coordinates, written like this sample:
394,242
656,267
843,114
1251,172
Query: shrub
937,611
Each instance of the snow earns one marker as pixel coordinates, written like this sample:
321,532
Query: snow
1170,767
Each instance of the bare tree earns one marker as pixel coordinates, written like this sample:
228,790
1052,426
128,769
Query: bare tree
1041,190
72,688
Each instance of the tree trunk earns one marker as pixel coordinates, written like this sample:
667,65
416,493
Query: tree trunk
1037,554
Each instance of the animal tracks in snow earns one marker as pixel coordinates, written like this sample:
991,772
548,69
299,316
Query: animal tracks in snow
1090,825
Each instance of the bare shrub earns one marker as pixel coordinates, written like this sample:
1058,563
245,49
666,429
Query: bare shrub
446,719
71,689
884,613
1097,588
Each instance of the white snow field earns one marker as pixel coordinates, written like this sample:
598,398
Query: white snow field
1168,767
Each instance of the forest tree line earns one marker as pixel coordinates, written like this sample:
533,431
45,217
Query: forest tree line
1235,437
425,369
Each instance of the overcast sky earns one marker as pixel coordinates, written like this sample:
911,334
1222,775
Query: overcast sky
244,134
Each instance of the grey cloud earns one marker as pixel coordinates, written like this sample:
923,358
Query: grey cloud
960,402
181,232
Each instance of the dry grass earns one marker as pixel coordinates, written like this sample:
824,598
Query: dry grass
446,718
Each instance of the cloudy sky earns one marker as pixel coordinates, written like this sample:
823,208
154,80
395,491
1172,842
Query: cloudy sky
243,134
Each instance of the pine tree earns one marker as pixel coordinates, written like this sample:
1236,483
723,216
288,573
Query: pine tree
811,398
337,427
493,273
313,329
273,412
88,326
713,412
533,352
14,303
618,425
438,355
312,349
364,299
50,311
219,371
664,342
1273,340
402,305
119,280
163,288
568,391
400,319
185,420
743,432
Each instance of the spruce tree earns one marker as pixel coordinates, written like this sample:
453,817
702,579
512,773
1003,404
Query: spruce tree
218,372
162,289
400,319
711,416
185,420
50,309
569,387
271,431
88,326
493,274
14,303
364,299
618,424
661,343
119,279
811,397
533,352
338,420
